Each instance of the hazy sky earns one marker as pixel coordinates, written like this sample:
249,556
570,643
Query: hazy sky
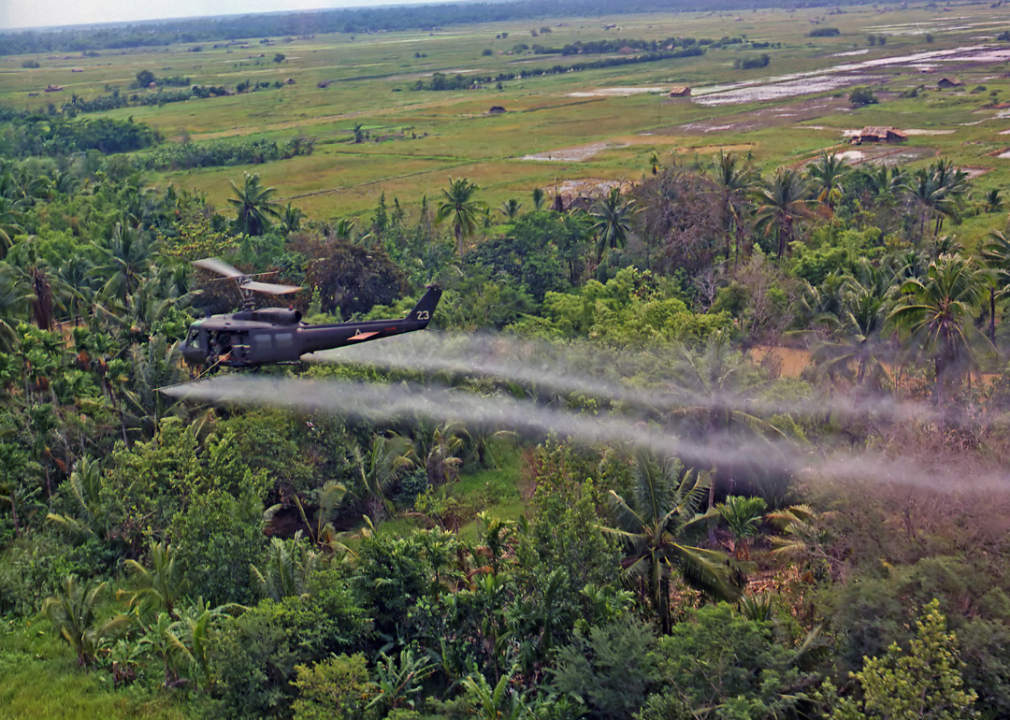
41,13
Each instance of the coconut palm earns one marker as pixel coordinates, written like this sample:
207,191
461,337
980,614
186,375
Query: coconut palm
285,573
993,200
162,586
538,199
651,523
826,175
460,204
14,302
510,209
380,468
253,205
937,312
735,180
291,219
717,382
72,613
743,515
612,222
856,337
996,255
128,256
782,203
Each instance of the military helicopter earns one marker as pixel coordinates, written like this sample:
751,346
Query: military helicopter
268,336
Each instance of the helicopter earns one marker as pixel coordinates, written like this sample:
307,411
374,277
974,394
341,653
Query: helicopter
255,337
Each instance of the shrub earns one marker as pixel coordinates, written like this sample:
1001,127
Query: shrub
336,689
824,32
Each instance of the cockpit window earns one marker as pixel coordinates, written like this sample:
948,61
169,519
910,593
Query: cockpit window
193,339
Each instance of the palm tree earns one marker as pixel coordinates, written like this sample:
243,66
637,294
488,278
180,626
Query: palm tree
717,381
996,255
993,200
387,459
856,337
612,222
72,614
938,312
651,523
163,586
826,174
938,190
288,566
735,181
460,205
538,199
783,202
253,205
291,219
128,256
743,515
14,300
510,209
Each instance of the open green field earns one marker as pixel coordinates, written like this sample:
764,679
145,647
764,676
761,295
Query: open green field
419,139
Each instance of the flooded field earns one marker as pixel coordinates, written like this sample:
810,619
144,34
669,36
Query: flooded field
842,75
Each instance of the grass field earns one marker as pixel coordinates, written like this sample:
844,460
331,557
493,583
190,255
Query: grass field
426,137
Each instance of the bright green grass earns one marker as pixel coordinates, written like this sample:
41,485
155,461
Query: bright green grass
40,680
371,76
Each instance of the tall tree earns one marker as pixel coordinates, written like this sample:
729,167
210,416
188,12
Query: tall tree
826,174
996,254
783,202
735,180
253,205
652,521
612,222
460,204
937,314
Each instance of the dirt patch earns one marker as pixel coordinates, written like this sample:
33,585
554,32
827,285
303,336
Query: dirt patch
760,119
572,154
888,155
782,361
974,172
616,92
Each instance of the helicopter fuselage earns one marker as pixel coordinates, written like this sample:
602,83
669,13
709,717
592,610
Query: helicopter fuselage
270,336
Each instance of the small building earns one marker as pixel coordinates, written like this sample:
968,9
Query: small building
680,91
54,88
73,70
626,50
496,110
944,83
878,135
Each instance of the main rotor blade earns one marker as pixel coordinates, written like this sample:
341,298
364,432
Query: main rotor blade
270,288
220,267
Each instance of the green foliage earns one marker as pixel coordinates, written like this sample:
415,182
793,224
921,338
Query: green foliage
721,664
337,688
633,307
217,563
924,682
611,669
73,614
862,96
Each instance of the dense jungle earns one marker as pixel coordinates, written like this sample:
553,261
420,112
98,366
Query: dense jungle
722,439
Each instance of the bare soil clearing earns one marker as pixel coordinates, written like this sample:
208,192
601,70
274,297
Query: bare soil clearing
764,118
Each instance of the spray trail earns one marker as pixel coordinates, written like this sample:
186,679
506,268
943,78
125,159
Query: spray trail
590,370
440,404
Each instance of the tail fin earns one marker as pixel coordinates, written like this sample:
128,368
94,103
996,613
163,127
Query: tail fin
425,307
